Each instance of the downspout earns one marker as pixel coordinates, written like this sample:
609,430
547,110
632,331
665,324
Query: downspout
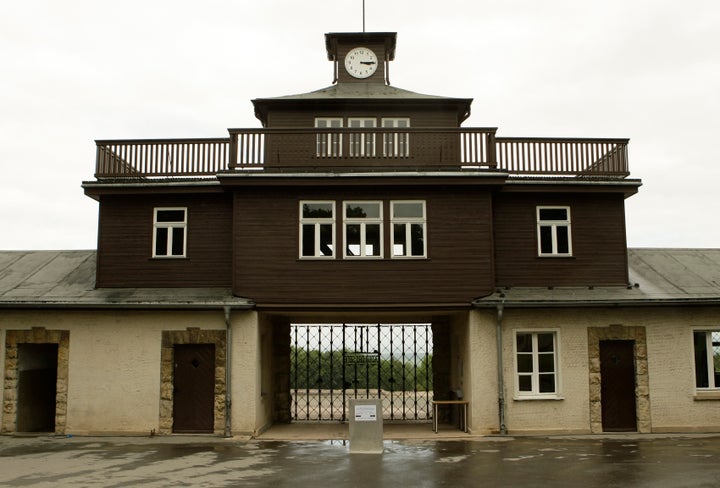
228,369
500,379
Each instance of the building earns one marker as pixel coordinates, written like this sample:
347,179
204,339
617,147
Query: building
362,242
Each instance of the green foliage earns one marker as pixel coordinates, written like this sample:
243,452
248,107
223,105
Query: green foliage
324,370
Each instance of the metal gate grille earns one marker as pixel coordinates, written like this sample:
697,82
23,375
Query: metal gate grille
330,364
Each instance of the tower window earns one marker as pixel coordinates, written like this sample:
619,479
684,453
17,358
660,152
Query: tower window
317,229
169,236
328,145
363,229
553,229
396,144
408,229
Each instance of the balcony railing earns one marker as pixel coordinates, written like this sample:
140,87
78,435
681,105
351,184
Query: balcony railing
353,149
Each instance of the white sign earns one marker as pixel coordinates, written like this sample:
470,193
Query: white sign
365,413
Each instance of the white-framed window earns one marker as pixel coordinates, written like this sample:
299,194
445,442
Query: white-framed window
169,232
707,358
362,145
536,363
396,145
407,220
363,224
328,145
553,231
317,229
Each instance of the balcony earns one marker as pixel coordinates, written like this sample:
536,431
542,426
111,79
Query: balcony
376,149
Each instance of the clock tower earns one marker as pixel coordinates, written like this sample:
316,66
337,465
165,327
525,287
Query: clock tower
361,57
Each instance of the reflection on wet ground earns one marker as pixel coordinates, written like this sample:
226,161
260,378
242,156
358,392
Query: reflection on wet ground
527,462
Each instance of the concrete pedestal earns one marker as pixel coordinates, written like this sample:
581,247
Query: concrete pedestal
366,426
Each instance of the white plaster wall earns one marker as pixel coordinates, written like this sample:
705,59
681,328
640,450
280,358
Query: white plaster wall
245,359
481,372
114,363
674,407
571,412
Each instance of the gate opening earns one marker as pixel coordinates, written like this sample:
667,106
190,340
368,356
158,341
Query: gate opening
37,387
332,363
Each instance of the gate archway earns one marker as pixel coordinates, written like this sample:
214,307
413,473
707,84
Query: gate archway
332,363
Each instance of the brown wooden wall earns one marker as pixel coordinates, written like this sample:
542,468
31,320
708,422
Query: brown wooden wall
269,271
598,241
125,242
421,115
299,150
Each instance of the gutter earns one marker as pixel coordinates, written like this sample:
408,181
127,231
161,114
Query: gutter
500,378
228,371
668,302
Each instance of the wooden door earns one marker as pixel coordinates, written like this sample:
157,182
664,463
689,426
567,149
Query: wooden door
194,388
617,387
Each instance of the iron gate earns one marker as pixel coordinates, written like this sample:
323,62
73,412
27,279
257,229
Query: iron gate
330,364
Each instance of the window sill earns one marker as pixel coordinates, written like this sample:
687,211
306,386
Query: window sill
534,398
707,395
163,258
556,256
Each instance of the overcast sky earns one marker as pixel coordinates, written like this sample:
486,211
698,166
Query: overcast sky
75,71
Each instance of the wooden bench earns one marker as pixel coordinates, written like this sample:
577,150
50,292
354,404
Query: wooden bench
463,417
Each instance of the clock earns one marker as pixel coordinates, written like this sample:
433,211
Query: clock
361,62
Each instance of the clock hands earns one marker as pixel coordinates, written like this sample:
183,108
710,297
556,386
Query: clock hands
367,62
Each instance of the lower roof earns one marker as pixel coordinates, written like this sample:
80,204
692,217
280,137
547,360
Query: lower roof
66,279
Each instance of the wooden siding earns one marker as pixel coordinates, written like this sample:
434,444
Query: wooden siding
125,242
426,150
434,114
269,271
598,241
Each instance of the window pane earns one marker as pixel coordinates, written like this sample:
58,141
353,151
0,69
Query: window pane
407,210
308,240
701,369
553,214
546,363
524,342
352,239
417,245
399,240
372,240
362,210
524,363
161,236
547,383
545,343
171,216
318,210
524,383
178,244
326,239
546,240
563,241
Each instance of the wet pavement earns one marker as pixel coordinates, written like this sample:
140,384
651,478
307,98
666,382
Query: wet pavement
587,461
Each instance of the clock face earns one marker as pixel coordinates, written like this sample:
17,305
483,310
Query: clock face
361,62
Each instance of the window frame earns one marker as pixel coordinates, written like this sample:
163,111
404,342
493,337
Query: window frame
316,222
408,222
170,226
393,142
713,378
535,393
554,224
363,222
329,145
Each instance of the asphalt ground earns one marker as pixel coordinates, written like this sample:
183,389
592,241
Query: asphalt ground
585,461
